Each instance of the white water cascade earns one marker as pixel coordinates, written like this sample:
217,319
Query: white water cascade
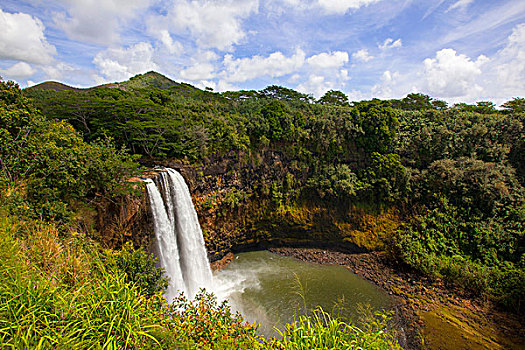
180,245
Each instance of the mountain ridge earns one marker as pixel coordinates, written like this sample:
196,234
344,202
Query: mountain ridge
148,79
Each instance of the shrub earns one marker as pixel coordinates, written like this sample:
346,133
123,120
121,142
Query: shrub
139,268
322,331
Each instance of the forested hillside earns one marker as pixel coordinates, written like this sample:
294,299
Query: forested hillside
61,287
455,174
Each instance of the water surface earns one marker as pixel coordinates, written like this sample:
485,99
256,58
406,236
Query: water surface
270,289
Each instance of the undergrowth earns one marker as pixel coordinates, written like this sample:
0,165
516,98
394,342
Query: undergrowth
60,292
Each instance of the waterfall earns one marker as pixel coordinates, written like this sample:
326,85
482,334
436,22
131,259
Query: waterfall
180,245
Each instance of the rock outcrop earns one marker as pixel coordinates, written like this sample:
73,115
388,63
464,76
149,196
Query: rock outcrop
239,210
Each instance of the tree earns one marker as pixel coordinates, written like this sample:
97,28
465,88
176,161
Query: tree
416,102
279,120
482,107
386,176
379,125
516,105
475,186
335,182
333,97
486,107
439,105
282,93
51,161
18,125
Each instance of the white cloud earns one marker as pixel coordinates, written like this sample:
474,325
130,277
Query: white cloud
343,75
203,84
433,7
173,47
294,78
199,71
342,6
119,64
505,75
59,70
22,38
362,55
391,44
506,13
226,86
97,21
19,71
279,7
325,60
460,4
211,23
275,65
389,86
452,75
318,84
330,7
456,77
315,84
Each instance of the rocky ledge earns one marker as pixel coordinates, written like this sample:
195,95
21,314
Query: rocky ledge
434,315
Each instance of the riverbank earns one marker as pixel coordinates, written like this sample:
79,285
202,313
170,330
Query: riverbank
432,314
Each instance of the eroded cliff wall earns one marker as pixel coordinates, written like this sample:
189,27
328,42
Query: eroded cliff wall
240,209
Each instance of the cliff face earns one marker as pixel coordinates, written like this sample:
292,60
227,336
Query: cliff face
126,218
240,204
239,209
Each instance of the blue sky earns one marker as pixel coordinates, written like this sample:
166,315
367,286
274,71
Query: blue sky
456,50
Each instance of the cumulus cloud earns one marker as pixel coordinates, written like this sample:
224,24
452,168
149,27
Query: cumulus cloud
362,55
342,6
390,44
275,65
315,84
22,38
450,74
18,71
388,87
199,71
173,47
117,64
457,77
330,60
226,86
59,70
97,21
211,23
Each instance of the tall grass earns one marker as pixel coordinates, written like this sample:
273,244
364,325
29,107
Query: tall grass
56,293
318,329
322,331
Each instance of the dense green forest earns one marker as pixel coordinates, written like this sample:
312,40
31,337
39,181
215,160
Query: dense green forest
456,174
61,288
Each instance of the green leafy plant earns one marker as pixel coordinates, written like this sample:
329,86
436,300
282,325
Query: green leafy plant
139,268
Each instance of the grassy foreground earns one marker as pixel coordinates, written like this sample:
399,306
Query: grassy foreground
62,292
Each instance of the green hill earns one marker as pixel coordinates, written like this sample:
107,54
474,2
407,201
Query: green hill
139,81
52,85
149,79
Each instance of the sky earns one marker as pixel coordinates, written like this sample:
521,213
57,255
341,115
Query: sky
454,50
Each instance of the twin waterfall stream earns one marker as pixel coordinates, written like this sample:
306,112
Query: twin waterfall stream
180,245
